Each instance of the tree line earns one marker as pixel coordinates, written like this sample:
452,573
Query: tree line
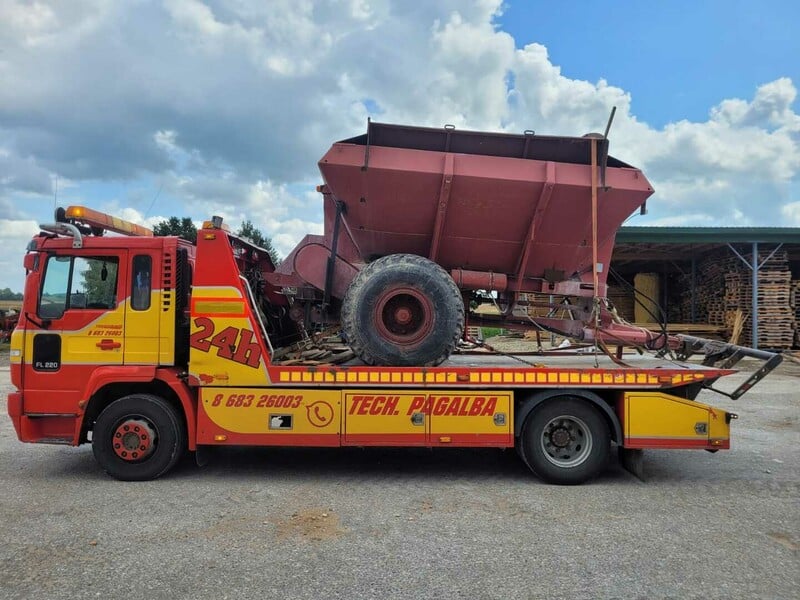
7,294
184,227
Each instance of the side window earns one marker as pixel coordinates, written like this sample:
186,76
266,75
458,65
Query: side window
93,282
53,299
78,282
140,293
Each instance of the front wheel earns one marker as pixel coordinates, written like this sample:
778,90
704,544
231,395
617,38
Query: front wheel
566,441
138,437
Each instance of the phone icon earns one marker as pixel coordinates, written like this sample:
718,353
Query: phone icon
320,413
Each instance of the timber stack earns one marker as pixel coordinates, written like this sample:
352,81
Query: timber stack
725,286
623,300
794,300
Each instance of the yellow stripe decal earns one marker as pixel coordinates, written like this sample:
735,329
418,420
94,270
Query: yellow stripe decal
219,307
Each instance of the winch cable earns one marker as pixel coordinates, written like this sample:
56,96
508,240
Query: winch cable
661,318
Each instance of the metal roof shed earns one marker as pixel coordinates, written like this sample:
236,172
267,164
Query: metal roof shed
685,243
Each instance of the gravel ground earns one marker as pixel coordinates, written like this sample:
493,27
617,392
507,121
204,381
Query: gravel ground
391,523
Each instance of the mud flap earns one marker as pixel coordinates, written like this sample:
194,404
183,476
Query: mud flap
632,460
202,456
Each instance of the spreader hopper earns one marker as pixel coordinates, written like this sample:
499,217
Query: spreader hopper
422,219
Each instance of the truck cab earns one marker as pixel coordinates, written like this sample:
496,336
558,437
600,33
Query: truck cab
94,306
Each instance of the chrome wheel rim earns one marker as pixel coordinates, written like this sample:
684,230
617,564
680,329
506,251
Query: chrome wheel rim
566,441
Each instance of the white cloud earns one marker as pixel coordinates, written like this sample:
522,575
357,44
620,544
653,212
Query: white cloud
791,214
133,215
741,161
771,107
10,228
291,231
31,18
470,56
15,233
165,138
228,105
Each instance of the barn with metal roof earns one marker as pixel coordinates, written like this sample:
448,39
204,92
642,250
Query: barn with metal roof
724,281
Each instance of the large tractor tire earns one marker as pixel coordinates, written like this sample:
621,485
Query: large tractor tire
403,310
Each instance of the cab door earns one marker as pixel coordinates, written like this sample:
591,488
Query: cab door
142,310
81,325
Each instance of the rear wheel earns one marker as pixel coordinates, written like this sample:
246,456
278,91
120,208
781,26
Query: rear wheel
566,441
403,310
138,437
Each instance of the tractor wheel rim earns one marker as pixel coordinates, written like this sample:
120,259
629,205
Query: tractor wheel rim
404,316
566,441
134,439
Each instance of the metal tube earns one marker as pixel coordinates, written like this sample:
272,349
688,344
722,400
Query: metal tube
480,280
694,285
754,307
595,277
65,229
332,258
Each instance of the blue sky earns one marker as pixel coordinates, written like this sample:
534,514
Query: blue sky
181,107
676,58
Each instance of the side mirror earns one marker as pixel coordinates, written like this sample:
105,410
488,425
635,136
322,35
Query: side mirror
31,261
51,311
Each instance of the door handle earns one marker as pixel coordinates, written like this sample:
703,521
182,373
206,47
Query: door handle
108,345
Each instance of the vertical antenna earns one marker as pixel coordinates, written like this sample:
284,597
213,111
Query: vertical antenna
55,193
595,277
610,120
153,201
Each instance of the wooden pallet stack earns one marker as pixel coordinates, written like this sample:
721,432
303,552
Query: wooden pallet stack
776,313
710,287
623,300
794,300
724,286
684,283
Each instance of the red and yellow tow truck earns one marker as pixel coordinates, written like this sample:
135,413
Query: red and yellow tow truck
149,347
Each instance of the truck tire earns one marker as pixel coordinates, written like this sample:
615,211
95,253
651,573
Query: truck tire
403,310
138,437
566,441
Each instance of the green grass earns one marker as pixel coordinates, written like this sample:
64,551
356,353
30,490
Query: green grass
488,332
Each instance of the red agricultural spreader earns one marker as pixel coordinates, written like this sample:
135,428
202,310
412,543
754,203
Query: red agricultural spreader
421,224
